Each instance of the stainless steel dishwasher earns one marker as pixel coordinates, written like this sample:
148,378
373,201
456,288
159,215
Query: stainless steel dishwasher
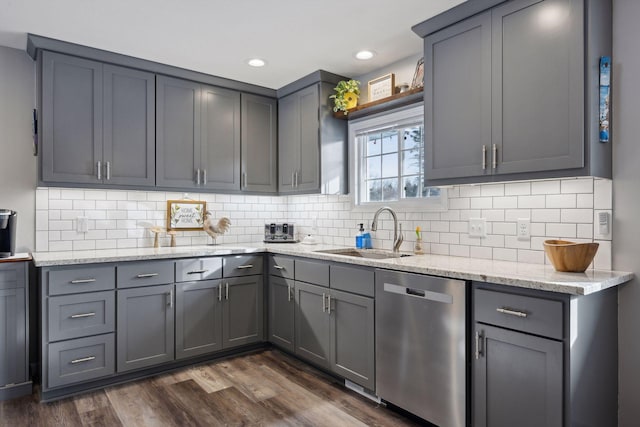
421,345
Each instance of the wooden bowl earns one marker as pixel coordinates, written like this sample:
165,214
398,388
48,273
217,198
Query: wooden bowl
569,256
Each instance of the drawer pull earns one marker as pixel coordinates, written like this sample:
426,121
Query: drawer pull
197,271
80,316
146,276
511,312
77,281
83,359
278,267
242,267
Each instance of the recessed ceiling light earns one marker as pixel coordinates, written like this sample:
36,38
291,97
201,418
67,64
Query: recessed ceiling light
256,62
365,54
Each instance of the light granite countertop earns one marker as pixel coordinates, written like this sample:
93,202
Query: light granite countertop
532,276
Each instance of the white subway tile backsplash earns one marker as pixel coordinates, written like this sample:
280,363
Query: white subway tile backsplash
506,202
531,257
561,201
72,194
545,187
60,204
531,202
584,201
504,254
95,195
517,189
577,185
602,194
481,203
60,246
562,231
545,215
583,216
489,190
470,191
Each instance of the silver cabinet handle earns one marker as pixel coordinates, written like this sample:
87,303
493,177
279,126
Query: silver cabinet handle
244,180
494,156
226,290
278,267
293,178
484,157
478,352
108,170
297,178
242,267
288,292
328,303
99,170
204,177
198,176
83,359
504,310
197,271
79,316
219,292
78,281
147,275
170,298
324,307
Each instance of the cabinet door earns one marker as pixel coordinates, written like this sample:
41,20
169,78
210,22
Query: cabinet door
352,337
145,319
457,103
220,148
312,324
198,318
281,312
71,140
129,130
517,379
178,116
242,311
538,85
259,144
13,337
309,171
288,142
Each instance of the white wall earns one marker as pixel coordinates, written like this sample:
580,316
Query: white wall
626,194
17,163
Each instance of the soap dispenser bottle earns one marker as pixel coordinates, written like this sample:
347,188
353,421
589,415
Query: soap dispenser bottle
360,237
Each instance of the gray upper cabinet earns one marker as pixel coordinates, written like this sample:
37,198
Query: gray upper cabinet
259,144
512,95
97,123
312,153
198,135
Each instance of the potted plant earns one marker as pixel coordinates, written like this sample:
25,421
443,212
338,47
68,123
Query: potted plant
346,95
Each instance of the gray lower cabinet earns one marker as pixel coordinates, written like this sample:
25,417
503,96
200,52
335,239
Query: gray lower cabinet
282,312
483,68
145,319
14,337
259,144
312,324
97,123
242,311
198,135
198,318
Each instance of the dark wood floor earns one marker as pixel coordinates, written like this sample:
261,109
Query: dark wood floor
269,389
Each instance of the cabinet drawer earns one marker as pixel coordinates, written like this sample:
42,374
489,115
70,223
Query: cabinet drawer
188,270
242,265
81,279
13,275
147,273
522,313
74,316
312,272
353,279
281,266
80,360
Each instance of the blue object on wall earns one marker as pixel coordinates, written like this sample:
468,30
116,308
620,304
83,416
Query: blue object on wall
605,91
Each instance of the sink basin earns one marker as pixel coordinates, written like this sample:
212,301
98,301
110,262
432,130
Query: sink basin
364,253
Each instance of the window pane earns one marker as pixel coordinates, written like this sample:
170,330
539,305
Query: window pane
389,189
411,162
373,168
374,144
390,165
411,186
389,142
375,190
412,138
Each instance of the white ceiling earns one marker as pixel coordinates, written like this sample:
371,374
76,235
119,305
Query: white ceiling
295,37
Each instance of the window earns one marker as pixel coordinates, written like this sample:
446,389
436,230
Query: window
389,160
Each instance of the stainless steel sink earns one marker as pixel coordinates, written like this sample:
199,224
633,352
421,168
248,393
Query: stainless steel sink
364,253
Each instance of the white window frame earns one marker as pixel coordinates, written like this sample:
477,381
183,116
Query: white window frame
380,121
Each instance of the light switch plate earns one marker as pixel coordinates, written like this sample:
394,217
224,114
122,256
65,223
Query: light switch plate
82,224
477,227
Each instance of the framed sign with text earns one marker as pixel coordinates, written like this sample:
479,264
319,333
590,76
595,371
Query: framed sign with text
185,215
382,87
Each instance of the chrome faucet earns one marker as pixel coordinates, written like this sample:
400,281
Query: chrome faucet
397,238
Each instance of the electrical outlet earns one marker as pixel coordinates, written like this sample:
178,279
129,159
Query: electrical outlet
524,229
82,224
477,227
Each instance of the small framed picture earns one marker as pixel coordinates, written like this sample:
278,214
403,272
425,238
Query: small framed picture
418,76
382,87
185,215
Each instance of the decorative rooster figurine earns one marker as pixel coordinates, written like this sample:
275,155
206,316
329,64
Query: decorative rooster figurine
214,229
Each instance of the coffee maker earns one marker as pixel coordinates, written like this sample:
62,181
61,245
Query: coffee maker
8,221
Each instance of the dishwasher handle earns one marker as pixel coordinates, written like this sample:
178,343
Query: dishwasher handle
418,293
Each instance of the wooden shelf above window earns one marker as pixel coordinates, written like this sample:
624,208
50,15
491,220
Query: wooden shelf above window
394,101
